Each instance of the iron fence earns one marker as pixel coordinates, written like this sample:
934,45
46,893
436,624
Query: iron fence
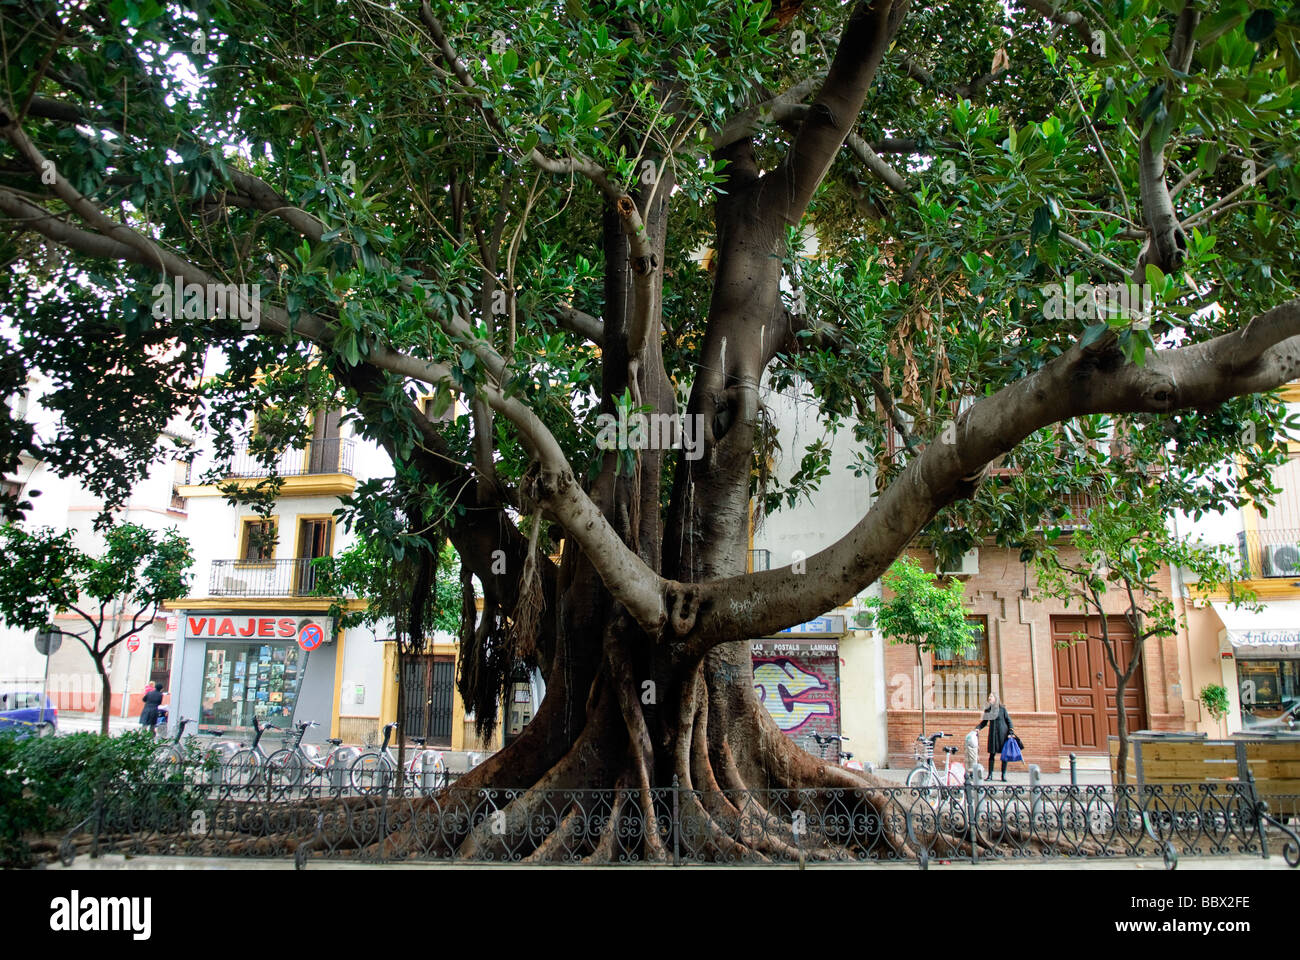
206,811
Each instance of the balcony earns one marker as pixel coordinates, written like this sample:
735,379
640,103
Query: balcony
262,578
1074,511
332,455
1269,553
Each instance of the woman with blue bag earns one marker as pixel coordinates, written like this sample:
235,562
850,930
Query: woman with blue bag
1000,736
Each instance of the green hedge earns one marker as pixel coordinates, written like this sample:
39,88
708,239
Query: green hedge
48,784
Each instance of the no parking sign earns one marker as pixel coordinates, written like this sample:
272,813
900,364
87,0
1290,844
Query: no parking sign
310,636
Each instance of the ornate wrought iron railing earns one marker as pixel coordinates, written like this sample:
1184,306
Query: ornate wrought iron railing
262,578
331,455
218,812
1269,553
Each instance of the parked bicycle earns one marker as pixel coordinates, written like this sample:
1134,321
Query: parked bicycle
926,776
842,756
248,765
292,764
171,752
376,771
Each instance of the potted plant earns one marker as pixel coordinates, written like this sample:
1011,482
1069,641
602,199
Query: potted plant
1214,698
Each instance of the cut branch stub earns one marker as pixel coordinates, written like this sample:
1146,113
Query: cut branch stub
683,603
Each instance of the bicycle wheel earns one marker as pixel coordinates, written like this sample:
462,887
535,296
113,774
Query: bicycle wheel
167,756
922,778
285,767
244,769
371,773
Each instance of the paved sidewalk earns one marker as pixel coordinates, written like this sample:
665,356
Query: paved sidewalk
77,722
1018,776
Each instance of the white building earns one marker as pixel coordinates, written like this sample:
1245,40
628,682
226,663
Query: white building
823,677
65,503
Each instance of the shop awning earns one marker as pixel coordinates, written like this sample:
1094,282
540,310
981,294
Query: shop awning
1273,631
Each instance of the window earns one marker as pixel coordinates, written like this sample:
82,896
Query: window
315,539
455,410
257,540
961,677
242,681
160,663
19,403
1269,692
180,478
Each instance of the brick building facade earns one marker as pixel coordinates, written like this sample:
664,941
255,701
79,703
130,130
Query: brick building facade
1051,688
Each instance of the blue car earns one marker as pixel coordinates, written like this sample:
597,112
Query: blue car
22,712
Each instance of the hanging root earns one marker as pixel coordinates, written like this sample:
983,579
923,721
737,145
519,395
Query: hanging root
527,614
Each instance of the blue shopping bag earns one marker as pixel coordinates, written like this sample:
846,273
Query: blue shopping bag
1011,750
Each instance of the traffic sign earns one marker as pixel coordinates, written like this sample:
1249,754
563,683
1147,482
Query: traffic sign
310,636
133,643
48,642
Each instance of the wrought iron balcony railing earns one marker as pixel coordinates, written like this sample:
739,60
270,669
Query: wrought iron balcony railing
1269,553
263,578
332,455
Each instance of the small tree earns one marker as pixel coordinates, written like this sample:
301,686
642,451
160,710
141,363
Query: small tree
923,614
1123,549
45,573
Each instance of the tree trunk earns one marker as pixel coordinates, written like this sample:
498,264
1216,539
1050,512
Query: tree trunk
401,711
920,669
105,696
1121,729
626,711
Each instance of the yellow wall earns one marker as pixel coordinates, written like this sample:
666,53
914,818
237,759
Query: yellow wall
462,731
860,715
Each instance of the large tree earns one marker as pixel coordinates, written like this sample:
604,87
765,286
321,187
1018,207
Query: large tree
574,209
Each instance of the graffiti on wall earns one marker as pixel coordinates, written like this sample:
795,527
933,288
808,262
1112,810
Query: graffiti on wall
800,694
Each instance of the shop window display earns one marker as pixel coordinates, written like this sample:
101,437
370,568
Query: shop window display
246,680
1270,692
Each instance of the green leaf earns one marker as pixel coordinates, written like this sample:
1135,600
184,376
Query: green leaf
1092,334
1260,25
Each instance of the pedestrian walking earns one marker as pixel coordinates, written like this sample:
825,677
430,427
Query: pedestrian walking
153,695
995,717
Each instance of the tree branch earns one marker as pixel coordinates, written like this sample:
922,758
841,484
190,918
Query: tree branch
583,324
1260,357
630,581
835,110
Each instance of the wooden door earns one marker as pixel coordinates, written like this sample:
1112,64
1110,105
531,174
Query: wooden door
1086,708
323,451
315,540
